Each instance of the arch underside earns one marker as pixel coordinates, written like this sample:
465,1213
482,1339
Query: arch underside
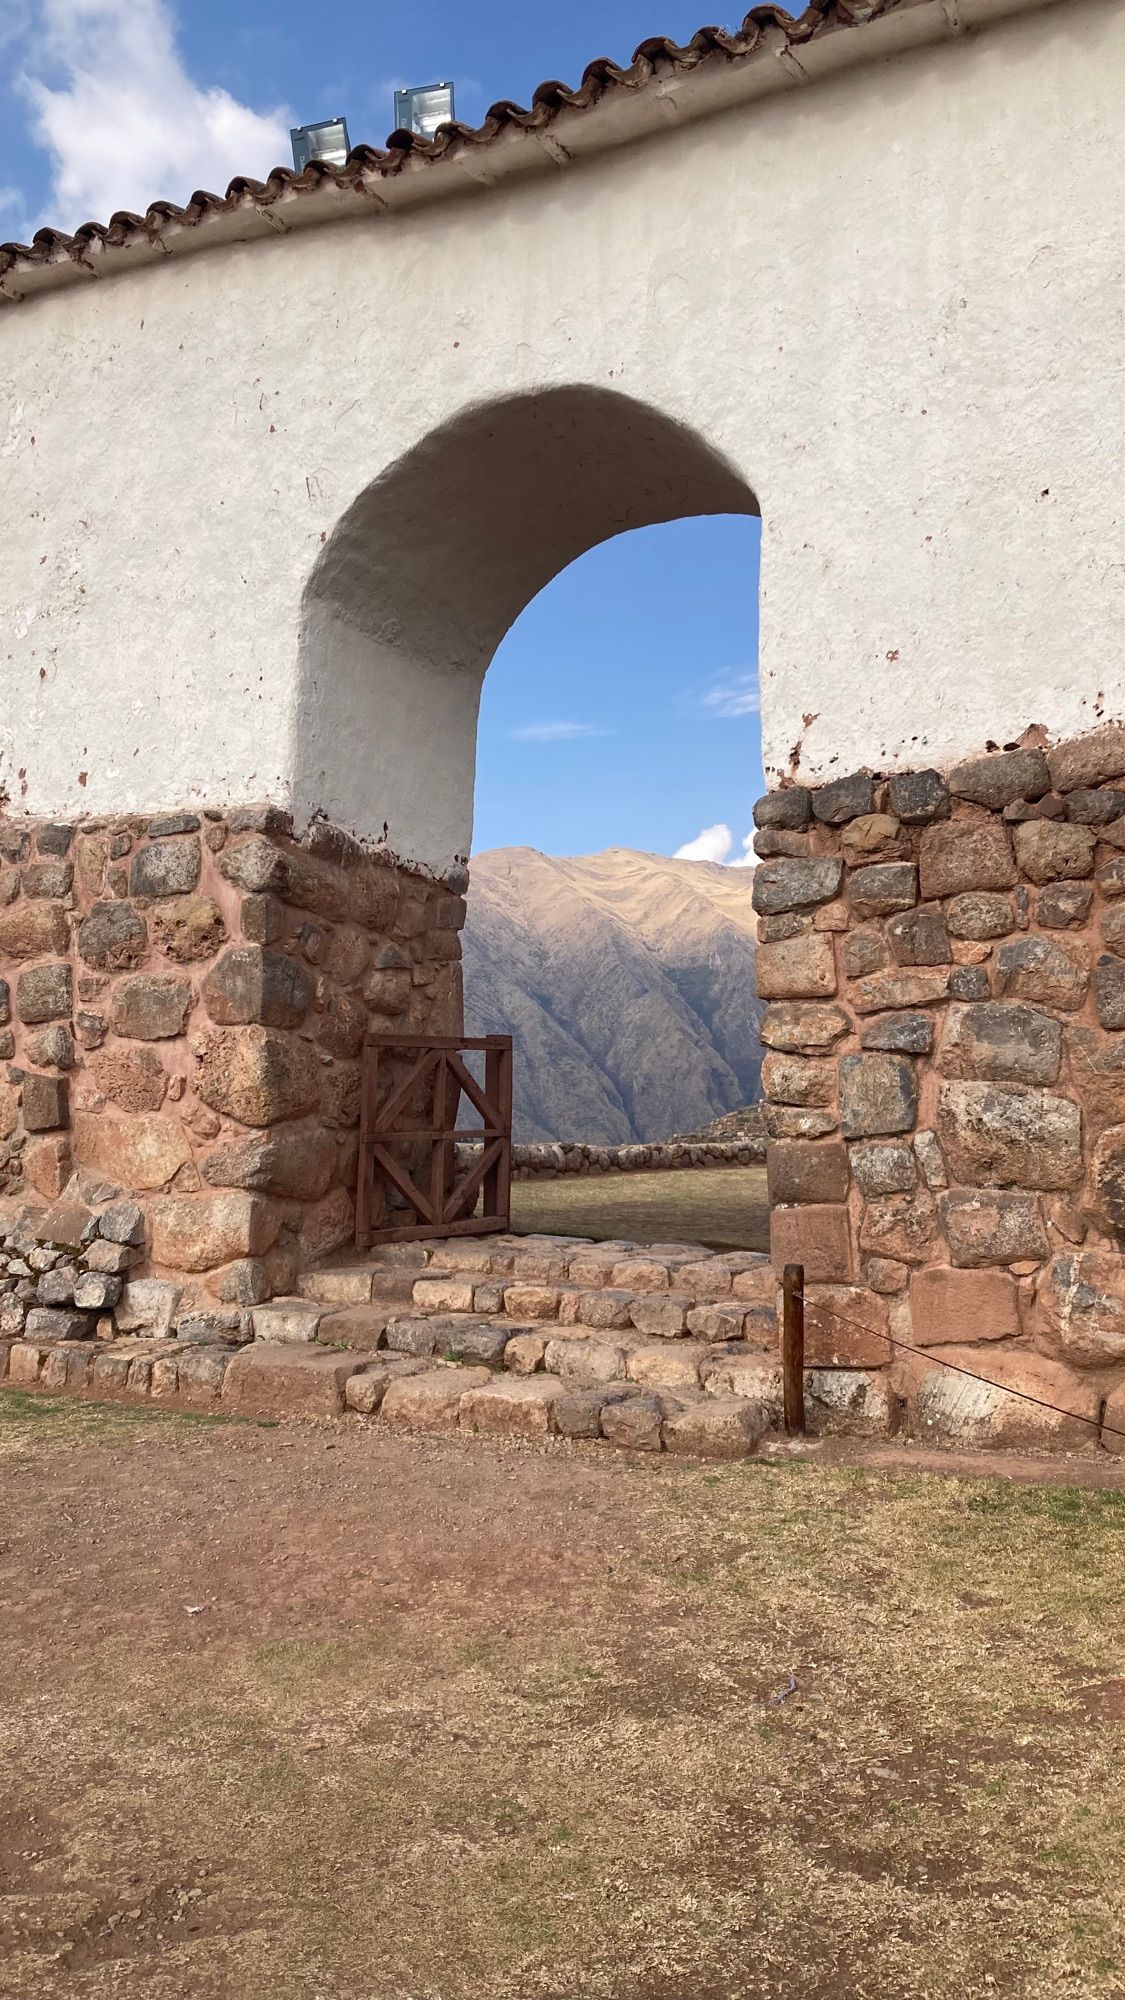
429,568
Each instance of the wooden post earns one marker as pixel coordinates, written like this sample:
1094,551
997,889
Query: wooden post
793,1347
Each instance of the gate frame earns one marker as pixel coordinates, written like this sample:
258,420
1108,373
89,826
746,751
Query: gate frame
441,1211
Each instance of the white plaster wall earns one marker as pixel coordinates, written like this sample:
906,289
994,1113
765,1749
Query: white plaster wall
891,303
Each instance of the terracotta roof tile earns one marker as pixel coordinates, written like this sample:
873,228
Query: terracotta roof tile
655,58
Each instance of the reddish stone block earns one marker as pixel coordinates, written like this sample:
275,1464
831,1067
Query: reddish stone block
817,1236
964,1306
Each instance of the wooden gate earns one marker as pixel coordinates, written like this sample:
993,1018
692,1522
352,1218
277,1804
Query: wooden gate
416,1114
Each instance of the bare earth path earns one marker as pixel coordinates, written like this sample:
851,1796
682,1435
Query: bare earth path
306,1711
725,1207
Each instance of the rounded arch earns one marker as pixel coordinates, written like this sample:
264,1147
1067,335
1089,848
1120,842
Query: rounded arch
430,566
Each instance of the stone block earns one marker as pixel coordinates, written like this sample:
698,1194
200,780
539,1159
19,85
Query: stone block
56,1287
1000,778
892,992
843,799
872,833
990,1226
200,1232
201,1373
883,1274
250,984
295,1165
445,1294
260,1076
45,993
952,1409
291,1321
145,1150
661,1316
949,1306
584,1360
33,930
1106,1201
863,952
816,1236
878,1095
412,1333
25,1360
919,797
919,937
882,888
188,927
963,855
902,1034
901,1228
640,1274
1088,760
364,1392
782,1121
165,868
604,1310
790,810
1097,808
798,1080
981,915
1009,1135
968,982
46,1324
148,1305
1048,851
1045,971
511,1405
44,1101
1002,1042
719,1428
122,1222
1109,992
793,885
525,1353
134,1079
474,1341
97,1291
109,1374
1080,1308
113,1258
800,1171
801,968
1111,878
802,1030
577,1413
151,1007
850,1401
1062,906
267,1380
717,1322
634,1424
756,1284
535,1302
883,1169
112,937
845,1327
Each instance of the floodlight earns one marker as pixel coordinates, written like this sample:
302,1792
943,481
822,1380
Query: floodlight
422,110
327,141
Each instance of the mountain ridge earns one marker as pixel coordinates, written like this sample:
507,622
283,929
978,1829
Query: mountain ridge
626,981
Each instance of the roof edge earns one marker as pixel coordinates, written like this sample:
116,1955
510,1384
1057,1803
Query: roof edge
664,86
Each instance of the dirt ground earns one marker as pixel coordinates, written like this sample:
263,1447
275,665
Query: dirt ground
313,1711
725,1207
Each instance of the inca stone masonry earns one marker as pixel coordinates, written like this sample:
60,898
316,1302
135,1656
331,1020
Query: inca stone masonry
279,471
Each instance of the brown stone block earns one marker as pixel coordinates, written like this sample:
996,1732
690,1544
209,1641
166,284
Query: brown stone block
33,930
1106,1203
1008,1135
509,1406
1049,851
47,1166
963,1306
46,993
1045,970
188,928
250,984
151,1007
139,1150
878,1095
44,1101
1062,906
1098,1070
799,1170
1001,777
1080,1308
1002,1042
989,1226
864,952
265,1380
887,992
965,854
720,1428
845,1327
294,1165
258,1075
200,1232
980,915
800,1029
327,1224
816,1236
798,1080
801,968
902,1228
920,937
133,1079
882,888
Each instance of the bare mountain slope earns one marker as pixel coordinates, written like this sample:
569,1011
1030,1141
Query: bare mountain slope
627,983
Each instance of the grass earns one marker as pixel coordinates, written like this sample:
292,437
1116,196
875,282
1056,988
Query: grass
519,1735
723,1207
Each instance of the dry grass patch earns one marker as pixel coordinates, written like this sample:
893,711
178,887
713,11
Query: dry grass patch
464,1723
725,1207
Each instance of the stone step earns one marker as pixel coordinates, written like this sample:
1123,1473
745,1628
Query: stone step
662,1313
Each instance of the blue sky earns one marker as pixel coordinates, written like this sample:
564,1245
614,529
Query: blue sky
621,709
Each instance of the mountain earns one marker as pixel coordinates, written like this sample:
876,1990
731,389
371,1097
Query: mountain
627,984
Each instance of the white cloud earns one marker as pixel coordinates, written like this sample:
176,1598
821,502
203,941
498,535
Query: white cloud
124,124
734,696
716,843
555,732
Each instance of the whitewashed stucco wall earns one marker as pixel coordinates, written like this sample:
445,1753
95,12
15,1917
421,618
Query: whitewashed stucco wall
892,304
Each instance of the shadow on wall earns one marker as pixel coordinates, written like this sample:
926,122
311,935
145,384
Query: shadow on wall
429,568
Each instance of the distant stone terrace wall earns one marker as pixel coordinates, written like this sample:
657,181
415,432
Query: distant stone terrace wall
183,1004
944,961
548,1161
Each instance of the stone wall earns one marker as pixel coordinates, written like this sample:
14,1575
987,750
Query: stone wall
545,1161
184,1001
944,958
